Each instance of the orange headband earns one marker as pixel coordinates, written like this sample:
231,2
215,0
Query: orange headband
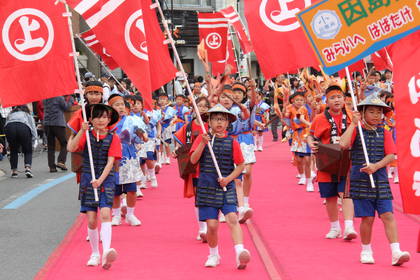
239,87
94,88
334,91
115,99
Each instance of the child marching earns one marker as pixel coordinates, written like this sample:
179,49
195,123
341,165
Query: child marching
210,197
368,200
106,148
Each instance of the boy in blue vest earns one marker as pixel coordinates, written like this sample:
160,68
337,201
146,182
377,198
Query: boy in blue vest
210,196
368,200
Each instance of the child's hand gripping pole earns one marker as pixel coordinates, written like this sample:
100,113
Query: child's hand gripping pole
156,5
74,54
359,126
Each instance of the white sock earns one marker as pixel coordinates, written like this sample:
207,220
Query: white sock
395,247
202,226
366,247
151,173
348,223
94,240
106,235
214,251
246,201
239,248
130,211
124,202
302,175
116,212
335,225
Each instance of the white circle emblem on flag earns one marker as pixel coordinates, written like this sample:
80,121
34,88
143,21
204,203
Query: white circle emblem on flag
35,37
214,40
136,36
281,16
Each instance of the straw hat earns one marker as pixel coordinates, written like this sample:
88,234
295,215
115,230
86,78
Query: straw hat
218,108
373,100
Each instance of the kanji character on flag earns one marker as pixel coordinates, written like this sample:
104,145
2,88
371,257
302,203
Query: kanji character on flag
279,42
130,33
235,21
213,29
93,43
35,52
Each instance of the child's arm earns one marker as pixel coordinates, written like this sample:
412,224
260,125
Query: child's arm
195,156
346,138
302,119
232,176
108,167
373,167
73,142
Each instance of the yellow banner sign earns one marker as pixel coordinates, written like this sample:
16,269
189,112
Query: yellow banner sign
344,31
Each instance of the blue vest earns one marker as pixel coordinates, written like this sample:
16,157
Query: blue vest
209,192
360,187
100,157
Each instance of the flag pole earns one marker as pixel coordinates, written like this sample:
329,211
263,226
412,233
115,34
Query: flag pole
156,4
100,61
359,126
82,98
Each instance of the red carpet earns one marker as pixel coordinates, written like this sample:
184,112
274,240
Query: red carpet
293,224
288,227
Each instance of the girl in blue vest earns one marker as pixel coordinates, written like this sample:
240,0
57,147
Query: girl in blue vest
181,112
106,148
368,200
168,115
210,196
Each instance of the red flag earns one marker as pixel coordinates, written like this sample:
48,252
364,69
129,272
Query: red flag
278,40
407,108
381,60
35,50
235,21
358,66
213,29
92,42
130,33
218,67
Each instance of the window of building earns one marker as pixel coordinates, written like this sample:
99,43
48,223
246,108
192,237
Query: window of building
190,3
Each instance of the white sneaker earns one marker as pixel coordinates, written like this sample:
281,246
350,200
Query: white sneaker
132,221
212,261
139,192
168,160
302,181
116,221
143,184
148,178
94,260
366,257
396,179
108,258
242,259
245,213
154,182
313,174
349,234
222,218
298,176
333,233
310,186
260,149
400,257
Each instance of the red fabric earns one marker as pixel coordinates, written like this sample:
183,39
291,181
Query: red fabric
213,29
235,21
114,149
218,67
359,66
76,120
92,42
238,158
130,32
22,65
280,45
405,57
380,59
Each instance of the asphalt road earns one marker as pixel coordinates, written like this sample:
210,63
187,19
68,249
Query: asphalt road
30,233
